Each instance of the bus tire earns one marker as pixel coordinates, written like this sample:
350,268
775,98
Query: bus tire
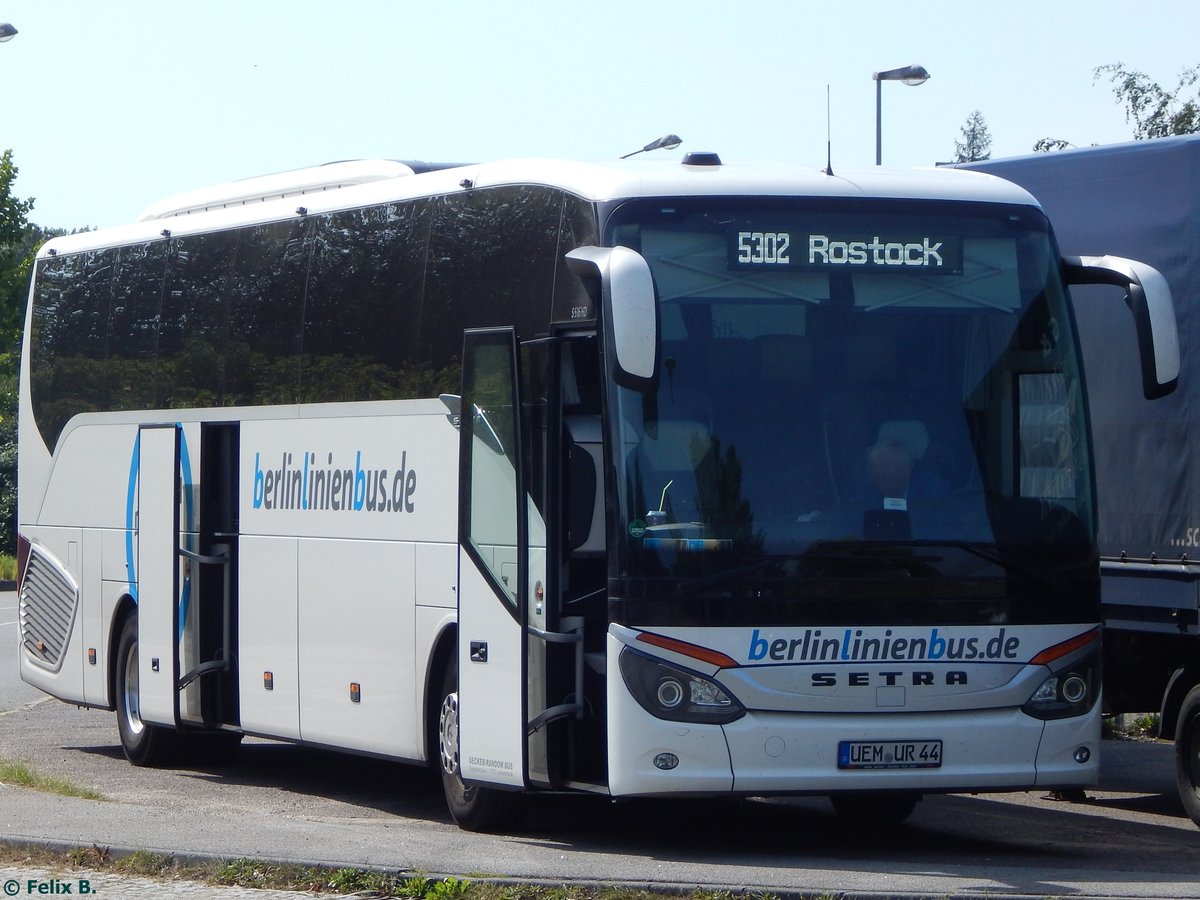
879,809
144,744
472,807
1187,753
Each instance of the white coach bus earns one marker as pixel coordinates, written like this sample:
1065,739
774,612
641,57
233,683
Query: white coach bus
639,479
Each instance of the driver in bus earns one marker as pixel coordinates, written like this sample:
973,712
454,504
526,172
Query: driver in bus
893,464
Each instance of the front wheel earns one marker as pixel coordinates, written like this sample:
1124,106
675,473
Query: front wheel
1187,754
144,744
473,808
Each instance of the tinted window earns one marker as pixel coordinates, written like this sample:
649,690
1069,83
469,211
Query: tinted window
135,310
194,333
362,315
262,361
69,330
577,228
348,306
491,262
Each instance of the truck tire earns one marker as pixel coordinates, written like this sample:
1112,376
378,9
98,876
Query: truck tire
1187,753
144,744
472,807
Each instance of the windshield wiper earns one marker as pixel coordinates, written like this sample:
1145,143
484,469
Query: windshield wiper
989,553
831,559
811,564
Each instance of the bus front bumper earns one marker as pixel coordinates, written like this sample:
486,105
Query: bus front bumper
803,753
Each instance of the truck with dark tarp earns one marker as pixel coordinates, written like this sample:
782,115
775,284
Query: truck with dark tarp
1139,200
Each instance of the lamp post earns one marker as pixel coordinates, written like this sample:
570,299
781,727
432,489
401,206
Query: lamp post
666,142
910,75
7,32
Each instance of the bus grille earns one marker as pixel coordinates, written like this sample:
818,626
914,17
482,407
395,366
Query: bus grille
49,599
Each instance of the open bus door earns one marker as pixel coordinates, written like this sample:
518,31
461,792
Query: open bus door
185,598
158,570
493,567
506,628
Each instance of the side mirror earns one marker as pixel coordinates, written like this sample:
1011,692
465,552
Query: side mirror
629,311
1149,298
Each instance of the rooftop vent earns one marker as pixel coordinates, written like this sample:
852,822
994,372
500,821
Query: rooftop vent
701,158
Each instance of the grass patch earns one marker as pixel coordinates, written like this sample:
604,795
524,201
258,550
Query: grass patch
249,873
19,772
8,567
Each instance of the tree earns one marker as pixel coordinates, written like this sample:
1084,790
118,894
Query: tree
977,140
1048,144
17,246
1154,112
14,253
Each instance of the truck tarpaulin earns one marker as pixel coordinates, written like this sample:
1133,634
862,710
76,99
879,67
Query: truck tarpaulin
1139,200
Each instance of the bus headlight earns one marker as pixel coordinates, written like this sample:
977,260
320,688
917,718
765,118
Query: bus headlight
1069,692
669,692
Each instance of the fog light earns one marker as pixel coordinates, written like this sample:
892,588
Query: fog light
666,761
1082,755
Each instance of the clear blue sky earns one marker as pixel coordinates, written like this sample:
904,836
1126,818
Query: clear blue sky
109,107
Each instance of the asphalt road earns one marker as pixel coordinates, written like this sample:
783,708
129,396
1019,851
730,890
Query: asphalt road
1129,839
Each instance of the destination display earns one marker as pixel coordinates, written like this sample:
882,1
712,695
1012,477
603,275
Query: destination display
926,254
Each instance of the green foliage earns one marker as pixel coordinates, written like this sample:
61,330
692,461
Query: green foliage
354,881
1048,145
248,873
448,889
414,887
1154,111
15,255
9,365
20,772
143,862
18,242
976,143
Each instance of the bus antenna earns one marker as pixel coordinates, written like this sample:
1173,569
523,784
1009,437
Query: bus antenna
828,135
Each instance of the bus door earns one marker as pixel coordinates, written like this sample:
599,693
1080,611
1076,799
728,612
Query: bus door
214,571
503,636
186,604
158,571
493,575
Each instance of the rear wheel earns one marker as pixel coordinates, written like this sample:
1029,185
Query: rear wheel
144,744
473,808
1187,754
875,809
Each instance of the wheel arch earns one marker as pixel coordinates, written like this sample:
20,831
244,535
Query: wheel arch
1182,680
126,607
445,646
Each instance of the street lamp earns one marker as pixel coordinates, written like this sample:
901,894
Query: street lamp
7,32
666,142
910,75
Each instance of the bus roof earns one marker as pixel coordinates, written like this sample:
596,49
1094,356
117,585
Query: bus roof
347,185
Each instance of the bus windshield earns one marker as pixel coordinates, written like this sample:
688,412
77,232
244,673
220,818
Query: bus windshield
864,411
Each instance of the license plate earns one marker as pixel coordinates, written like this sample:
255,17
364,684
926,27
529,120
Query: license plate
889,754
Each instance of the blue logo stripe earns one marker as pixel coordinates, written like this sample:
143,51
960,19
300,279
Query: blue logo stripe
130,502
